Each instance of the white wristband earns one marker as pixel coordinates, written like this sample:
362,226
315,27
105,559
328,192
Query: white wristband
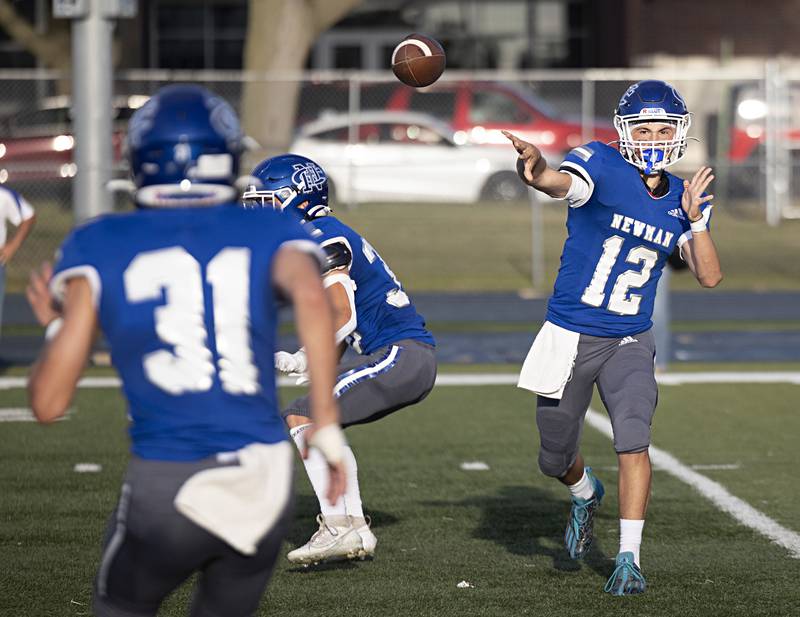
698,226
52,328
330,441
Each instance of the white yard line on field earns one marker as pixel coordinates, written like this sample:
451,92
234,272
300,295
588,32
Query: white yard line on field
717,494
664,379
501,379
717,467
16,414
20,414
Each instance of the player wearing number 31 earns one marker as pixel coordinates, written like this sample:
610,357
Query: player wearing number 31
184,289
626,215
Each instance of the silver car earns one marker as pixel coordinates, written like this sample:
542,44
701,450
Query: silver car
385,156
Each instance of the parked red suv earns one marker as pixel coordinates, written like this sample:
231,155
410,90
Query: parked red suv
478,111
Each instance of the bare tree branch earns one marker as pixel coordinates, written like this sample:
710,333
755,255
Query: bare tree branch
52,50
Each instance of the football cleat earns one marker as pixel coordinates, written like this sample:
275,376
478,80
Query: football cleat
580,525
368,539
627,579
337,539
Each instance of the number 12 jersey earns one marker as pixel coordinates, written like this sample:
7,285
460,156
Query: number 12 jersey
619,239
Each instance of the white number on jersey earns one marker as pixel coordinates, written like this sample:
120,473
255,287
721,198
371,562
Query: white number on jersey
619,302
397,297
594,295
180,322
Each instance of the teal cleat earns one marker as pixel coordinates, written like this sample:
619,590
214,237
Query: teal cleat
627,579
580,525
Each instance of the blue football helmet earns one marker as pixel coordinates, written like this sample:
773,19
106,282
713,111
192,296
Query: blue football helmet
289,183
645,102
184,145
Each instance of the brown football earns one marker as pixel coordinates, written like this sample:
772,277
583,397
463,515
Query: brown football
418,60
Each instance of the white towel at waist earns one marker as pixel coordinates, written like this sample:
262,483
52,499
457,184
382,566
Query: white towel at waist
549,363
240,503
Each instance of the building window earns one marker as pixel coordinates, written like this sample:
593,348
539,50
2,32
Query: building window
347,57
205,34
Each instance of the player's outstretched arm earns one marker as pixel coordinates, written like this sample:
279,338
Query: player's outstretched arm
699,252
534,171
297,275
55,374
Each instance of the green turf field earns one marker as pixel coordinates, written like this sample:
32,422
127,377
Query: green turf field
437,525
487,247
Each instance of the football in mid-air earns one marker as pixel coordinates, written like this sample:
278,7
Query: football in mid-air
418,60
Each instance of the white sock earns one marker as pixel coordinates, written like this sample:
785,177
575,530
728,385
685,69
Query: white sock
352,493
317,472
630,537
583,488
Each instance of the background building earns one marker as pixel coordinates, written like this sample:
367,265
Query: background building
478,34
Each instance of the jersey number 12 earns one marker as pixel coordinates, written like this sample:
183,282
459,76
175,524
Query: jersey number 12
619,301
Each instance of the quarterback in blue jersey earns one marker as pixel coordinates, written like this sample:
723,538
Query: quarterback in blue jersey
626,216
184,289
396,366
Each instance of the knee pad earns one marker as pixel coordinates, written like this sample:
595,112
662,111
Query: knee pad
555,464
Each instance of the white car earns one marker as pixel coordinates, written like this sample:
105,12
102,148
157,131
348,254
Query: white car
405,156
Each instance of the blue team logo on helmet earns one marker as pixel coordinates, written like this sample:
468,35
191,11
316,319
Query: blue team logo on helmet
646,102
184,146
289,182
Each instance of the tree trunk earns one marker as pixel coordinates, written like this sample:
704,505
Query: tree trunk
280,34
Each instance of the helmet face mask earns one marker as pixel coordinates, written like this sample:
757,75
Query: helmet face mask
289,183
277,199
652,102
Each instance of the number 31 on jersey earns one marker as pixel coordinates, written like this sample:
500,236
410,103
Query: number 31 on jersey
180,322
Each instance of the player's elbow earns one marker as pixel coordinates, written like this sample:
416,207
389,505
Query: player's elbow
47,406
47,414
710,280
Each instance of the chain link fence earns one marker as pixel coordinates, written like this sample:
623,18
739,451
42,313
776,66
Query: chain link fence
381,141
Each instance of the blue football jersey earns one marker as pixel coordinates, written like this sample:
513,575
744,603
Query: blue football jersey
186,302
617,244
384,312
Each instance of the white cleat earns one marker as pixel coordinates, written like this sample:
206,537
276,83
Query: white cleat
335,540
368,539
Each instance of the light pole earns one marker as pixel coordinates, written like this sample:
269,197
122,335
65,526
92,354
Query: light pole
92,29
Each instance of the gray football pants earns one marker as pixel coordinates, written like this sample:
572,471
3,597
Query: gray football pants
624,373
150,549
376,385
